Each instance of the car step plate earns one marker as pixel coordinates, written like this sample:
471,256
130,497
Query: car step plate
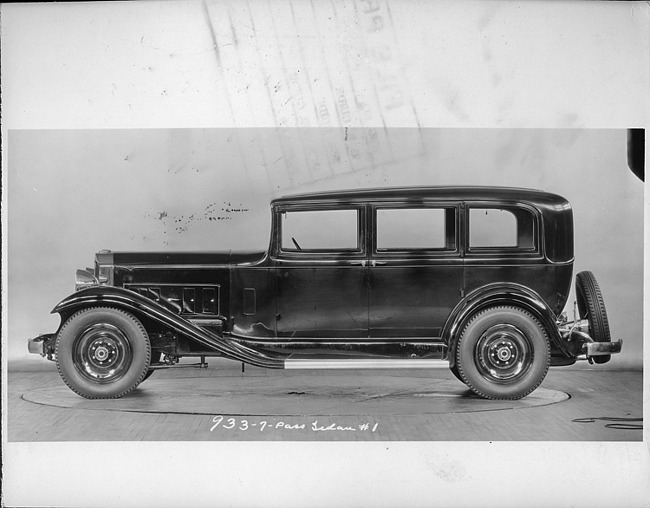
364,363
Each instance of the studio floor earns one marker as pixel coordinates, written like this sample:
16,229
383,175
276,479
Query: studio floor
222,403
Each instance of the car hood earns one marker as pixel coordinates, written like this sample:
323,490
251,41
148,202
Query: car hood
226,257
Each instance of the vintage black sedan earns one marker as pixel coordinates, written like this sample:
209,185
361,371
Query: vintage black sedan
473,278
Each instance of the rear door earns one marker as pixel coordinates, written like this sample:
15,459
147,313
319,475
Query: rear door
416,268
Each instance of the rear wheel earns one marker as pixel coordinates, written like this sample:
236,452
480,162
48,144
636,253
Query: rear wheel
503,353
102,352
592,308
454,371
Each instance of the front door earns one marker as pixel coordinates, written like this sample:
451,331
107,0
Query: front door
321,273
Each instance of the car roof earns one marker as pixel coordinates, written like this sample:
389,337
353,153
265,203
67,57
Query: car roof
447,193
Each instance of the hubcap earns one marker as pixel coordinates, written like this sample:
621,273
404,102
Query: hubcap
503,354
102,353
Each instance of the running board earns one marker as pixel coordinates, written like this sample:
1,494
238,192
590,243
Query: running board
364,363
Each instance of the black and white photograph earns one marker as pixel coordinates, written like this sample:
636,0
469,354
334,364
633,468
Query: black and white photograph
286,253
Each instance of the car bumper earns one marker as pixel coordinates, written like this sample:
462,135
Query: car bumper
40,345
603,348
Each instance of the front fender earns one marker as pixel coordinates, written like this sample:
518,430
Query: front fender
139,305
492,295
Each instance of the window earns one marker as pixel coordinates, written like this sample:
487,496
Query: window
320,230
503,228
416,228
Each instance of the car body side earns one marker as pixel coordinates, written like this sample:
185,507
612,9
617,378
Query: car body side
262,306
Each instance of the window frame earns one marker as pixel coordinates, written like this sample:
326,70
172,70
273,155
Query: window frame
359,252
414,251
504,251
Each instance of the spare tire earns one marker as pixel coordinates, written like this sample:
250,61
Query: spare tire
592,308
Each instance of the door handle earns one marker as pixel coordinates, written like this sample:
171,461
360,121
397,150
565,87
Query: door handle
363,262
378,263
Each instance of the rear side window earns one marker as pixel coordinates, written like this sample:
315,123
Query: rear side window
416,229
320,230
504,228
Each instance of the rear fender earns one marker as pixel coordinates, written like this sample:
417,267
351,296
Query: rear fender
510,294
139,305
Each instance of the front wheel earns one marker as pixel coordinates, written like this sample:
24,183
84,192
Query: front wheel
102,353
503,353
156,357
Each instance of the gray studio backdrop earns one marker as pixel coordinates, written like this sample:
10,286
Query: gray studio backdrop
74,192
